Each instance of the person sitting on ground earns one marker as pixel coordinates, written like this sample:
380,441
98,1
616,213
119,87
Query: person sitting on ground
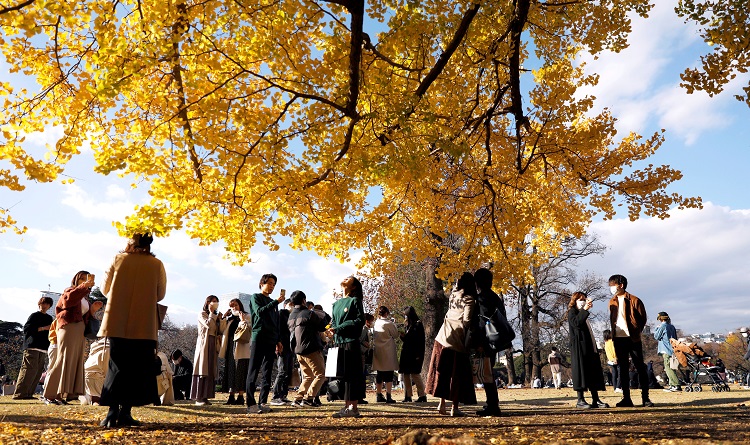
183,375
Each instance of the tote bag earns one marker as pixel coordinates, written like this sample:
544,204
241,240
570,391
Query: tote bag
335,362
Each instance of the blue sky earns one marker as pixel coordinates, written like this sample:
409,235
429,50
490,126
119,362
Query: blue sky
693,265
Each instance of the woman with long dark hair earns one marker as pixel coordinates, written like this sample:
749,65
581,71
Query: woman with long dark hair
133,284
412,355
584,354
346,327
236,354
211,325
450,375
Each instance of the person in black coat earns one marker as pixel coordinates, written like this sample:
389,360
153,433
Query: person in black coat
412,355
284,360
586,366
183,375
488,303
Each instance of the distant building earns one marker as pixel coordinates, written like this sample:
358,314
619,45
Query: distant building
54,296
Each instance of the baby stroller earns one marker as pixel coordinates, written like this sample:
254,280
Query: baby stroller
700,372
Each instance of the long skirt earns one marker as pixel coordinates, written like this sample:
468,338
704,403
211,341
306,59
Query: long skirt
354,378
65,378
450,375
131,375
204,386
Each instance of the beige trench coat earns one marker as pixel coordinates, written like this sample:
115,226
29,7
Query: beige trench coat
208,330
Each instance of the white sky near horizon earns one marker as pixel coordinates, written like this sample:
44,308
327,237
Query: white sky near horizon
693,265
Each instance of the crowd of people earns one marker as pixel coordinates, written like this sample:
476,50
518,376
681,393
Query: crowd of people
125,369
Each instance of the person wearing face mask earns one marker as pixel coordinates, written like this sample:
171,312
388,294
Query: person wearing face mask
586,367
627,316
236,354
211,325
664,333
744,333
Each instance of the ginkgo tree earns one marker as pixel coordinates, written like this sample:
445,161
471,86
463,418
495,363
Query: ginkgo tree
409,130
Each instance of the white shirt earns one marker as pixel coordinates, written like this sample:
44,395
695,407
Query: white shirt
621,327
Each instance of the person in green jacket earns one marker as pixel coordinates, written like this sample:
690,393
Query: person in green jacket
264,343
346,327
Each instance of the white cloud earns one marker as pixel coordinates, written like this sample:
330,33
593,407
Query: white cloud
692,265
640,85
114,206
18,303
61,252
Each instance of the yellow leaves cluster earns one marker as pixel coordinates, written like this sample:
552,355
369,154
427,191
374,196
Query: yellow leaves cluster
238,115
723,26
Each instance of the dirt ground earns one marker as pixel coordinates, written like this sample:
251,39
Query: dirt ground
530,416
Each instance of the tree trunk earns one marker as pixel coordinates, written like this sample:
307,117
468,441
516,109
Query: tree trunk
535,351
435,303
511,366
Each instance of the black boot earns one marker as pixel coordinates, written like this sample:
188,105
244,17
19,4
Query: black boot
240,400
230,400
582,402
111,420
493,403
126,419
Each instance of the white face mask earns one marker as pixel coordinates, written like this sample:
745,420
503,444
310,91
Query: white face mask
235,312
744,334
613,290
580,304
213,306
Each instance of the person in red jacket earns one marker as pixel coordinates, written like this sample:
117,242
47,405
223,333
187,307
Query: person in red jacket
627,316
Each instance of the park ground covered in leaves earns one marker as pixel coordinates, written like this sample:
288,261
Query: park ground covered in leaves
531,416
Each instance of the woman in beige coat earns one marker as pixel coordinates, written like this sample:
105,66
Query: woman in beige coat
133,284
384,359
211,326
450,375
236,354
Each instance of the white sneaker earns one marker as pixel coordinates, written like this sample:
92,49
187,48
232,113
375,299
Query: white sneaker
618,389
346,412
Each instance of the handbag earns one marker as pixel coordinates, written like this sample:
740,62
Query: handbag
674,362
335,365
499,332
482,369
242,334
161,312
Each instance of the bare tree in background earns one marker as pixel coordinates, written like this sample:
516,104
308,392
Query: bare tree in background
541,306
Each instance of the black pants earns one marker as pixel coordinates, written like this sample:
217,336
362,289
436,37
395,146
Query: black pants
262,356
626,348
181,386
284,364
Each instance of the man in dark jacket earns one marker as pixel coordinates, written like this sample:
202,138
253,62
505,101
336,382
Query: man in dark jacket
488,303
264,343
284,360
35,345
627,316
183,375
306,326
